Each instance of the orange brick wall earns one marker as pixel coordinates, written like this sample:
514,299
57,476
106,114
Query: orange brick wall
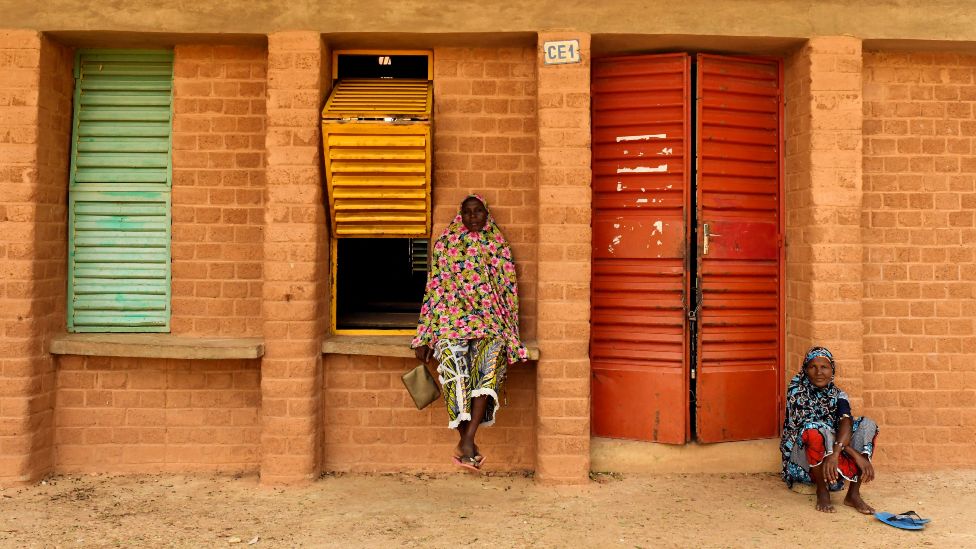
129,414
565,249
148,415
880,213
54,146
372,425
295,259
35,122
823,202
919,257
484,142
218,189
796,172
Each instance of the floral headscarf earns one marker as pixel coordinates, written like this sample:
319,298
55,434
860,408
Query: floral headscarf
471,289
808,406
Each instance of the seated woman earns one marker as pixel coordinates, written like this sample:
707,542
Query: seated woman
469,322
822,443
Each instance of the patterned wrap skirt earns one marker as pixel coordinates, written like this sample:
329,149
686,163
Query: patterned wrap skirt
818,443
469,368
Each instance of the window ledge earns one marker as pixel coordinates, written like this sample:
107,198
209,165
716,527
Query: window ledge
395,346
157,346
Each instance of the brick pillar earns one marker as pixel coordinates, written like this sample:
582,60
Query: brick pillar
295,260
35,125
563,390
823,206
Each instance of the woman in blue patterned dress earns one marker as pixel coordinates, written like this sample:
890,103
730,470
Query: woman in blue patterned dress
823,444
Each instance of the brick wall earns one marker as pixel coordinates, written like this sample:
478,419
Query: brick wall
148,415
50,239
218,189
295,259
35,109
484,142
796,172
823,202
919,259
155,415
371,424
563,392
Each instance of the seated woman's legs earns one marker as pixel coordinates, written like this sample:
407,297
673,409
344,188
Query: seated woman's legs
859,452
487,370
853,464
454,373
468,429
814,444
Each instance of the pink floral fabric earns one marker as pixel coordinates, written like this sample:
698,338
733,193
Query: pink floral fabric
471,289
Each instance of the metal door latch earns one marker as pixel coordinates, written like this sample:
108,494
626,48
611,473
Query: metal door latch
706,237
696,307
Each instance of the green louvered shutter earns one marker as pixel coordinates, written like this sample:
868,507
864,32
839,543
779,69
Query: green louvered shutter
119,196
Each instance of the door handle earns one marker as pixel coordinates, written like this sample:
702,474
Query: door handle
707,235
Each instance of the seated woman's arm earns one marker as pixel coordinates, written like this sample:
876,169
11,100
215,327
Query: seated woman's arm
845,430
841,440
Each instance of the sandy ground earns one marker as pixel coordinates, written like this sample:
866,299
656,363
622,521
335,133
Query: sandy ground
464,510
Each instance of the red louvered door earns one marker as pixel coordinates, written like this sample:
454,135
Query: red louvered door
639,341
740,273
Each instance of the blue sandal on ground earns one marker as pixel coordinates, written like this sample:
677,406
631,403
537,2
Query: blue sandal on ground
909,520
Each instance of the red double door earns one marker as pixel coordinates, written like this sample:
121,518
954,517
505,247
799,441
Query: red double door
687,303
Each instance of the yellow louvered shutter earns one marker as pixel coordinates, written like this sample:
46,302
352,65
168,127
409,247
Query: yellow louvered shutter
376,136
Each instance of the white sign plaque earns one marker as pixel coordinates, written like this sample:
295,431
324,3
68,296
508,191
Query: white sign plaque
561,52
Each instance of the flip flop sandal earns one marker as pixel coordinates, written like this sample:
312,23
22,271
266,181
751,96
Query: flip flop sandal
913,516
466,463
905,523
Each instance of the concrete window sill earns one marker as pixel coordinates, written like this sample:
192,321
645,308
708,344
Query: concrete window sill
157,346
395,346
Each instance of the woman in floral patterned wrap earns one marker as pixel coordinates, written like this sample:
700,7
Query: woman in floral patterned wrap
823,443
469,322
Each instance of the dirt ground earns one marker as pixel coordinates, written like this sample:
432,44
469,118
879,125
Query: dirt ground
464,510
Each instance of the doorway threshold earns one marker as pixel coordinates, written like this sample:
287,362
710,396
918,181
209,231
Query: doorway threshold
629,456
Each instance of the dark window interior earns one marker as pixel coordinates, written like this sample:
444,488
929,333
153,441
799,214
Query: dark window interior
379,282
382,66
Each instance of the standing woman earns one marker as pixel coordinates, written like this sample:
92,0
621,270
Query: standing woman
822,443
469,322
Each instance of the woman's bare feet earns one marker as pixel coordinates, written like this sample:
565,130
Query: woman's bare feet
823,500
823,493
854,500
459,453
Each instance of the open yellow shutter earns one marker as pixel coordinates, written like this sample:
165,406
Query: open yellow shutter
376,136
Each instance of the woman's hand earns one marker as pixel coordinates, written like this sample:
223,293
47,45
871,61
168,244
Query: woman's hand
867,469
830,468
424,353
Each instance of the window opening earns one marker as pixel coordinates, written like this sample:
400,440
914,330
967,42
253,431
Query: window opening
119,192
376,127
381,65
381,282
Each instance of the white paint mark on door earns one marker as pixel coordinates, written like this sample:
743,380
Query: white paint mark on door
644,169
644,137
